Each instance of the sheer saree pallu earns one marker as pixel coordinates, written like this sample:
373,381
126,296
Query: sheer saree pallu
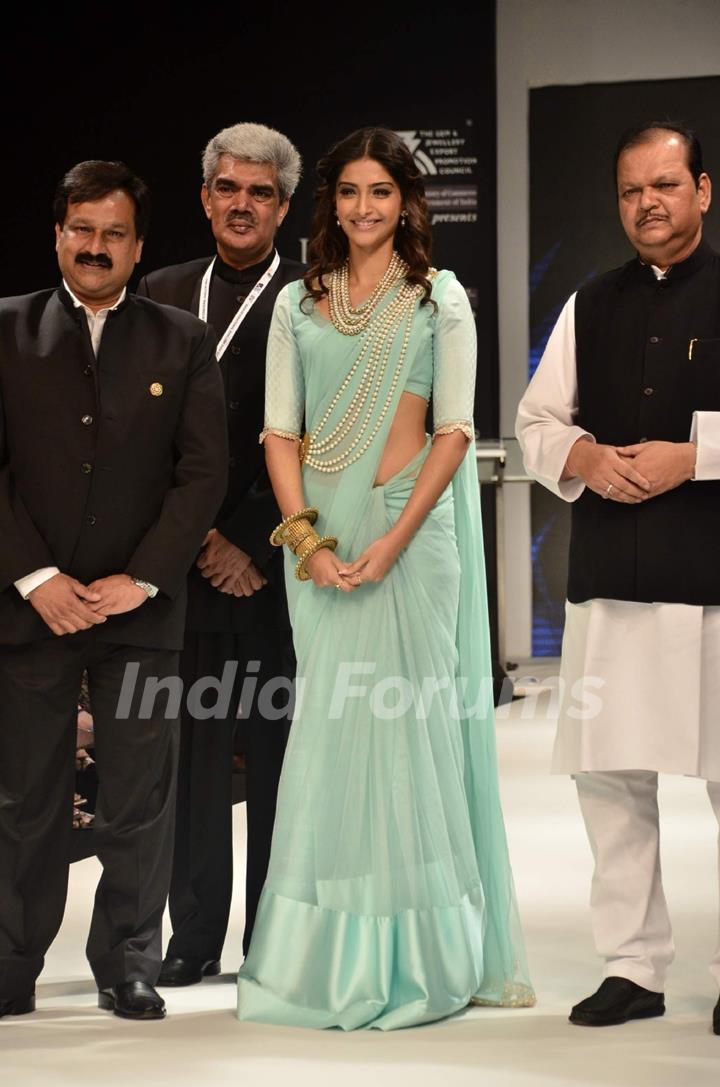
389,898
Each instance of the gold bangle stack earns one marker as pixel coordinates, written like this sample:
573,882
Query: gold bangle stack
312,546
298,533
293,530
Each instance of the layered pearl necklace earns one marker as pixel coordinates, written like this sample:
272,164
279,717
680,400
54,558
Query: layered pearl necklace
332,450
349,319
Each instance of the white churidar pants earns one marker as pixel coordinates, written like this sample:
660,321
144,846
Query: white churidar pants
630,920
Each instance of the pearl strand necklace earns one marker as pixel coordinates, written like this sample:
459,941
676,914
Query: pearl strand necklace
388,315
349,319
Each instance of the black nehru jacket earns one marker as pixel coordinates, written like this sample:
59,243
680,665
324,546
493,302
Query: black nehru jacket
249,511
107,465
639,380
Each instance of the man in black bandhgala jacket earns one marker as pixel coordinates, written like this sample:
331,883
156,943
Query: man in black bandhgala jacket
113,462
237,625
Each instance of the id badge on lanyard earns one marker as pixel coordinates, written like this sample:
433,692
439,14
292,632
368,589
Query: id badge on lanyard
244,308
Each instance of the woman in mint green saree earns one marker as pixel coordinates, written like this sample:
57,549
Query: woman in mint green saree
389,900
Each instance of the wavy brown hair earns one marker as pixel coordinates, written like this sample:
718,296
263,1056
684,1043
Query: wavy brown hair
328,247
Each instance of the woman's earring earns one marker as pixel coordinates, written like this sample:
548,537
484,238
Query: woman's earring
403,218
337,220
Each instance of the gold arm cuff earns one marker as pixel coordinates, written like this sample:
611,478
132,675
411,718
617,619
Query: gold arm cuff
304,447
277,536
317,545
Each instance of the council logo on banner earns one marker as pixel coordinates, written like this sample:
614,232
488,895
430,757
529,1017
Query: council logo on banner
448,159
414,144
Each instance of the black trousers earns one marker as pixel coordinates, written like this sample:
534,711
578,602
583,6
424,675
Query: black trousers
202,878
135,751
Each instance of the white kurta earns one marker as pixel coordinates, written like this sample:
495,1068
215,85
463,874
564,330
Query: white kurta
640,682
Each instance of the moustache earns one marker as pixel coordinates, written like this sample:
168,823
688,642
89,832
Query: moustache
240,217
655,218
94,260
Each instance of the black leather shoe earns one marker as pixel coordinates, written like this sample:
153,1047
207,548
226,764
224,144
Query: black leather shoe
616,1001
132,1000
178,971
17,1005
716,1018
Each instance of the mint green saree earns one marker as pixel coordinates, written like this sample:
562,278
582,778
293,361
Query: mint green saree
389,899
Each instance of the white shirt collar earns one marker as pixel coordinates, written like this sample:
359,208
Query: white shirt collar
96,321
81,305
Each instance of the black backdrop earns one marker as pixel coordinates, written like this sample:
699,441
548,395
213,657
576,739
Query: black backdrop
153,92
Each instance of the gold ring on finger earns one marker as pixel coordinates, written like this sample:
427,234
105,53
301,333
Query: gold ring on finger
608,492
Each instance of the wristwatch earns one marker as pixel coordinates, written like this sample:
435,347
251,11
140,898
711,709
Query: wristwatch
151,590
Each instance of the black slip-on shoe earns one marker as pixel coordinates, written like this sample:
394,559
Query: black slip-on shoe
616,1001
716,1018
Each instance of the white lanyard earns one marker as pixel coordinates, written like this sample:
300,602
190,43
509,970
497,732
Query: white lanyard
244,308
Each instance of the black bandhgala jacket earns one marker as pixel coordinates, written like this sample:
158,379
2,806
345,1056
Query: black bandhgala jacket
108,465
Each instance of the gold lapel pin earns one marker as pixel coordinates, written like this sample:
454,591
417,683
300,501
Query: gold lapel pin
156,389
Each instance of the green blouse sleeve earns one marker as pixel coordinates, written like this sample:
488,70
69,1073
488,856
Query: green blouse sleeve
454,358
284,383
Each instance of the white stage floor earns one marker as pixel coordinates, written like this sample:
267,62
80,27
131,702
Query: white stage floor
69,1041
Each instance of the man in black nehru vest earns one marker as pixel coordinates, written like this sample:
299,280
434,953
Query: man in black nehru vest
623,420
237,614
112,466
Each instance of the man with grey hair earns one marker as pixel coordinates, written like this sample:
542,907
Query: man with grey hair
238,633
